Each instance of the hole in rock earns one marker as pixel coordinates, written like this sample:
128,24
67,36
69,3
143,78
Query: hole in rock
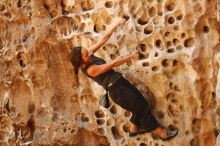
160,1
169,43
143,47
155,68
46,7
143,144
142,56
99,114
187,132
73,131
170,6
97,28
165,63
156,54
179,17
127,114
152,11
160,114
126,128
171,85
112,56
189,42
113,109
171,20
142,21
170,50
19,4
174,101
176,88
158,43
148,30
176,41
116,133
22,64
179,47
175,62
183,35
170,96
109,4
167,34
100,121
2,7
145,64
205,29
64,130
84,119
126,17
25,37
8,14
87,5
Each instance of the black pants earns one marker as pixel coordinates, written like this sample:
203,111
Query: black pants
126,95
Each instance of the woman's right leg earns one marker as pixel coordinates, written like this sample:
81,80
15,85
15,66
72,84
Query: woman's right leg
128,97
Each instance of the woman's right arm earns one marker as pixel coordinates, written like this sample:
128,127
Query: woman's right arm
95,70
107,35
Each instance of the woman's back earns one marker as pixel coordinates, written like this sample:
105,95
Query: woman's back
104,79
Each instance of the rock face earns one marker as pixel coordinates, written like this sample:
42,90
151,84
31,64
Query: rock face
41,104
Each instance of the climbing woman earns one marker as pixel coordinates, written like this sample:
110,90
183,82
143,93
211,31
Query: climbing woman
121,91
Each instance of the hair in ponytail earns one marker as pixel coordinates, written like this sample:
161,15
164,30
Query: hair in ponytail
76,60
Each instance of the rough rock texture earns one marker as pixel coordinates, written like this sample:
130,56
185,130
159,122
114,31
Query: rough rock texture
40,103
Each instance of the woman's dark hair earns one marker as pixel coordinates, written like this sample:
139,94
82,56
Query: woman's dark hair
76,60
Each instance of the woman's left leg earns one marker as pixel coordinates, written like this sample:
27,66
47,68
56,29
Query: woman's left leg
129,97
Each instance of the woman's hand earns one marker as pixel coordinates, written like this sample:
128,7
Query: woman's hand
134,56
120,21
107,35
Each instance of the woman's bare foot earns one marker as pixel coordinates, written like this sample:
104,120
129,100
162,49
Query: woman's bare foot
159,133
164,133
133,128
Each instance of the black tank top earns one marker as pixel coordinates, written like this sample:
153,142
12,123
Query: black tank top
105,79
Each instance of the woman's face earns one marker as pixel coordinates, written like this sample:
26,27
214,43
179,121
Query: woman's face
85,55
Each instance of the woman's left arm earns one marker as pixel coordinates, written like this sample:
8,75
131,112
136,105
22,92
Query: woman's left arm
95,70
105,38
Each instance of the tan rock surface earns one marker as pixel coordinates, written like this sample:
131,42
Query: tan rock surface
40,103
